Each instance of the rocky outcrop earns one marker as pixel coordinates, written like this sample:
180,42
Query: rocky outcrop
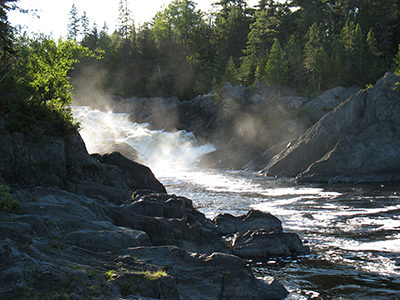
60,244
357,142
101,226
63,161
258,235
328,101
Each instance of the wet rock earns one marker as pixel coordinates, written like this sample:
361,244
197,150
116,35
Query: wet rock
253,219
264,244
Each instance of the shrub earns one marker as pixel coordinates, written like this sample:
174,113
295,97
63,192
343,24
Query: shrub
7,201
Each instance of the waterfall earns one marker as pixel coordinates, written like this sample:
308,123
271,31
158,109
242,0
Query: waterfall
164,152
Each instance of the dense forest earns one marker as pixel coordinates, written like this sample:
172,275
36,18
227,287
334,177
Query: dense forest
308,45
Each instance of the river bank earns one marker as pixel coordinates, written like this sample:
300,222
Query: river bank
82,226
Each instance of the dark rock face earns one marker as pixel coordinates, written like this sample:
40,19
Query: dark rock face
357,142
138,175
170,220
65,163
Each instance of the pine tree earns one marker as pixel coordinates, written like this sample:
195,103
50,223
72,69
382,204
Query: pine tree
231,72
294,54
315,56
73,25
353,42
125,21
374,58
85,24
276,69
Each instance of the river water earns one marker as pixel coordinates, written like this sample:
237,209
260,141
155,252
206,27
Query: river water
353,231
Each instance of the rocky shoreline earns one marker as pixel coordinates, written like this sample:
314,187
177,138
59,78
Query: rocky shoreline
103,227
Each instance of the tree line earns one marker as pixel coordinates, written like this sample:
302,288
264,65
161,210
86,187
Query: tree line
308,45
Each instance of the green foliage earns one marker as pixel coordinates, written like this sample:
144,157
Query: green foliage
315,57
7,201
38,89
276,69
397,62
231,73
110,274
42,69
183,51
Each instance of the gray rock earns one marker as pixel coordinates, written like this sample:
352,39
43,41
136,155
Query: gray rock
357,142
169,220
253,219
328,101
217,276
264,244
107,240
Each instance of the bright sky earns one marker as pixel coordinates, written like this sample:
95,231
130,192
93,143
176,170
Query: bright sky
54,14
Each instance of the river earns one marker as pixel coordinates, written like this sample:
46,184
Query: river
353,231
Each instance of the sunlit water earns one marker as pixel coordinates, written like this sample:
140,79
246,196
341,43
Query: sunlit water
353,231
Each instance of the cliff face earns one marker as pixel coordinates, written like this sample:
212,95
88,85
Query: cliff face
357,142
63,162
101,226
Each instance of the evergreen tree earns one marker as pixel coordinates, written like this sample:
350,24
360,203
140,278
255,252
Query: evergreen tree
73,25
294,53
231,29
231,73
125,21
260,38
373,58
354,50
276,69
85,24
91,38
6,35
315,57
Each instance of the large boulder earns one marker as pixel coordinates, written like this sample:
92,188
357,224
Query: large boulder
264,244
169,220
357,142
138,175
253,219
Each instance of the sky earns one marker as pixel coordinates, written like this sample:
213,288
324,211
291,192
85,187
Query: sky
54,14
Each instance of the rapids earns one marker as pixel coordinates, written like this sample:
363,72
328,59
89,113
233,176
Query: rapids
353,231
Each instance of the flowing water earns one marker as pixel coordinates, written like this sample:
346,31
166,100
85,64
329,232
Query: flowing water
353,231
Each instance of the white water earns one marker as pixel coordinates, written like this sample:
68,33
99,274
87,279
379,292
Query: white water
354,232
